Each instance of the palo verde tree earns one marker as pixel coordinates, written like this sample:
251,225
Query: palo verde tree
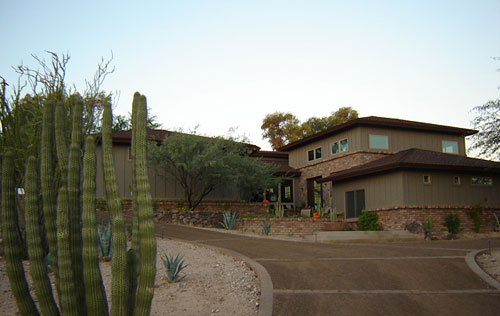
203,164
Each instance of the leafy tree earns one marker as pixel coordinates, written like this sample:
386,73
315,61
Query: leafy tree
123,123
283,128
280,128
202,164
487,121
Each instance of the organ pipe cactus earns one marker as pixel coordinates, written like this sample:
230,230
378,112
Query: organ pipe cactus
71,231
12,251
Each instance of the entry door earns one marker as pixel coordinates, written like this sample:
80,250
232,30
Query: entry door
314,192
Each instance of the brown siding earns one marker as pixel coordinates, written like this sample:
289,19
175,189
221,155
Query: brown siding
404,139
298,157
160,188
442,191
380,191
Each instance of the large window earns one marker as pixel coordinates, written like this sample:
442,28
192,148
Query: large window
287,191
379,142
482,181
340,146
450,147
354,203
314,154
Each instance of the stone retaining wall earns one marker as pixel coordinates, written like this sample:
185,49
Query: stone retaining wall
413,217
295,226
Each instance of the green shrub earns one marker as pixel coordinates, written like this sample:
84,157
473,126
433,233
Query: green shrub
368,221
173,266
475,214
229,220
266,228
452,222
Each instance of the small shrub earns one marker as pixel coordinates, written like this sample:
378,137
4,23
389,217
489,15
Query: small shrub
452,222
229,220
475,214
174,266
368,221
348,229
105,241
427,227
266,228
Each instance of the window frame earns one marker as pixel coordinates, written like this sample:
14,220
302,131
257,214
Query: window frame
375,135
339,146
315,154
355,201
429,179
459,182
449,141
490,182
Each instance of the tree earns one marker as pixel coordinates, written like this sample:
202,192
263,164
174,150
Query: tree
123,123
202,164
283,128
280,128
487,121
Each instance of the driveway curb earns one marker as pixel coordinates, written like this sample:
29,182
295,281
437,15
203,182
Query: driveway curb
471,262
266,284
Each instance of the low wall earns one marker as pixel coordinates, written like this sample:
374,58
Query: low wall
211,206
285,226
412,217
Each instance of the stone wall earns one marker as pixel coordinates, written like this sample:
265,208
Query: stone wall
295,226
412,217
326,167
211,206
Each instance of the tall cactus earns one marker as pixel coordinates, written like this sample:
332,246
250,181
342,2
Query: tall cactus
95,296
12,251
47,181
119,260
147,241
38,269
66,276
73,185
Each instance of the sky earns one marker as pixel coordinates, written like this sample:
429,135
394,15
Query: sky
226,64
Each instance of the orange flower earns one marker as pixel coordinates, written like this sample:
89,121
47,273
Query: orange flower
266,202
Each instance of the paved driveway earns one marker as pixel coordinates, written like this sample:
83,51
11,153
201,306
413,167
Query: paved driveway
411,278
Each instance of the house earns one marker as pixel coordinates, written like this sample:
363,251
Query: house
403,170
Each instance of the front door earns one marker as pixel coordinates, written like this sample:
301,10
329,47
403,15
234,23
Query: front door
314,193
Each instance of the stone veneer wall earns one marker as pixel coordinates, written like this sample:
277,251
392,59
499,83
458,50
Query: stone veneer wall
401,218
326,167
295,226
211,206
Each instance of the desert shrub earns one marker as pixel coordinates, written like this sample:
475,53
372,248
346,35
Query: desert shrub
452,222
368,221
475,214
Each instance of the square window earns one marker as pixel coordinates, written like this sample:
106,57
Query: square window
310,155
450,147
379,141
318,153
344,146
335,148
456,180
427,179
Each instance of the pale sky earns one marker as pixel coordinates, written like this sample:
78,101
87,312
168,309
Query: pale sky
224,64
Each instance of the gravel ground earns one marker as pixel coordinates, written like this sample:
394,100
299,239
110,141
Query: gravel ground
214,284
490,263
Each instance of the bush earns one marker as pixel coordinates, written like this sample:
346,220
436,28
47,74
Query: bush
368,221
475,215
452,222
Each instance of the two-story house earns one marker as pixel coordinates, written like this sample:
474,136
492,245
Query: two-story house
401,169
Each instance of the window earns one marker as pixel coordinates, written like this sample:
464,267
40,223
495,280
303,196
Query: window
427,179
450,147
354,203
344,146
482,181
314,154
335,148
287,191
379,142
456,180
340,146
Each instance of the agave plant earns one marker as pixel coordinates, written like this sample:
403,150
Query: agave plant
105,242
173,266
266,228
229,220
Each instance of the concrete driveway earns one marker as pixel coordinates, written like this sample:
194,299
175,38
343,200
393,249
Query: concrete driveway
411,278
